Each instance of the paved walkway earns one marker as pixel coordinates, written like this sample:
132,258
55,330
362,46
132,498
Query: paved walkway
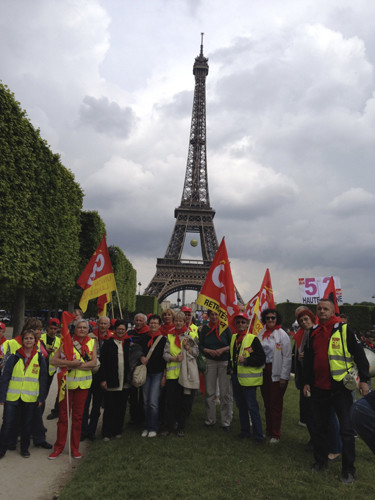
37,478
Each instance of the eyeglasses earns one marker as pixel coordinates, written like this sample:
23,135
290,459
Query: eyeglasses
242,321
270,318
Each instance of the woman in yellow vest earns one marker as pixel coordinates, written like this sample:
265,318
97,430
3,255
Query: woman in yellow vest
78,379
178,399
22,388
246,366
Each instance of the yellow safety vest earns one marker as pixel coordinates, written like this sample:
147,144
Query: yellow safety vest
24,384
81,378
247,375
56,344
13,346
173,368
340,359
193,331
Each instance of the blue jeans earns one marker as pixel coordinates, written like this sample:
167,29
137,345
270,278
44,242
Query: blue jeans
246,400
363,419
151,394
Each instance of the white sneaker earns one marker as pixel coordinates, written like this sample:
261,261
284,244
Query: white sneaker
152,434
106,439
274,440
144,433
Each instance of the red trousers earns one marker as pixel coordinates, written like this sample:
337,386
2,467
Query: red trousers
77,400
273,397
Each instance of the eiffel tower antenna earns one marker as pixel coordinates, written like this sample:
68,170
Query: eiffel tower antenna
194,215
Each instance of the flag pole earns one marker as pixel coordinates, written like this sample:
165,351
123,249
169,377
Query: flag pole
113,311
119,305
69,423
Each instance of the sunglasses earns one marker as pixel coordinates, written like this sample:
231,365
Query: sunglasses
271,318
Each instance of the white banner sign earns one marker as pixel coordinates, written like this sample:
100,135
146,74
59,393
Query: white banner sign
312,289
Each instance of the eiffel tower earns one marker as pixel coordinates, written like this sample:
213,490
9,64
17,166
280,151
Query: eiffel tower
194,215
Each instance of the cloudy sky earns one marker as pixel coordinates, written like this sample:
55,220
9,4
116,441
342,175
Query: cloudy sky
290,124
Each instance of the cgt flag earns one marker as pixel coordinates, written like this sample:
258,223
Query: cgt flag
97,279
261,301
330,294
67,349
218,293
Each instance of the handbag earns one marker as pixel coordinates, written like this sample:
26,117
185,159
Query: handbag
351,379
140,371
201,362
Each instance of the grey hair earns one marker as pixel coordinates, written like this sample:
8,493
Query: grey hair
143,316
81,320
106,318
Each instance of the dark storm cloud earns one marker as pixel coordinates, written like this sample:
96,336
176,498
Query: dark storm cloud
107,117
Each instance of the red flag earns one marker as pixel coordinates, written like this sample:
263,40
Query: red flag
67,349
265,296
218,292
330,294
97,279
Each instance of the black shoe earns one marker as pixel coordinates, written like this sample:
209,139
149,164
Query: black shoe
318,467
25,454
2,454
91,437
226,428
181,433
242,435
83,438
11,447
44,445
347,478
52,415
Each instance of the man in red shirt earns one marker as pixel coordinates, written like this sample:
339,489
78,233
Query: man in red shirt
329,354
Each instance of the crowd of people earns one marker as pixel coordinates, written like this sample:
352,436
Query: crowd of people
157,366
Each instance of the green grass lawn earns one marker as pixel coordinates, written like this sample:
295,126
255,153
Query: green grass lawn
212,464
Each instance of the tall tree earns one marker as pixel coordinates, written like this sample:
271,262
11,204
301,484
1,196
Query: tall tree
40,205
126,280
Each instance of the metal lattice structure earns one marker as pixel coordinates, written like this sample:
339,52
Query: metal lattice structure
194,215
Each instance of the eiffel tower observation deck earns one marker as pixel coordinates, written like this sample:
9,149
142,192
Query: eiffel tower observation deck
194,215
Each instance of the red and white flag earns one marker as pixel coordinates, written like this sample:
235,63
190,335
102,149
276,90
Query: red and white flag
261,301
218,293
97,279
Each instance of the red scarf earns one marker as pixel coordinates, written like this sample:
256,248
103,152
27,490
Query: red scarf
83,342
267,332
325,328
166,329
322,378
144,329
214,328
120,339
176,334
152,337
240,337
27,359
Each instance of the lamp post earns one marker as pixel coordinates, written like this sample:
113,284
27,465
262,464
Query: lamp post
139,290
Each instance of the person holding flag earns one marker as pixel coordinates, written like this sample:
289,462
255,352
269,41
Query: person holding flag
75,358
246,367
215,348
276,345
218,295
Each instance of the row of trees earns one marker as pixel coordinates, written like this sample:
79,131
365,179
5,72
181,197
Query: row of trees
46,239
